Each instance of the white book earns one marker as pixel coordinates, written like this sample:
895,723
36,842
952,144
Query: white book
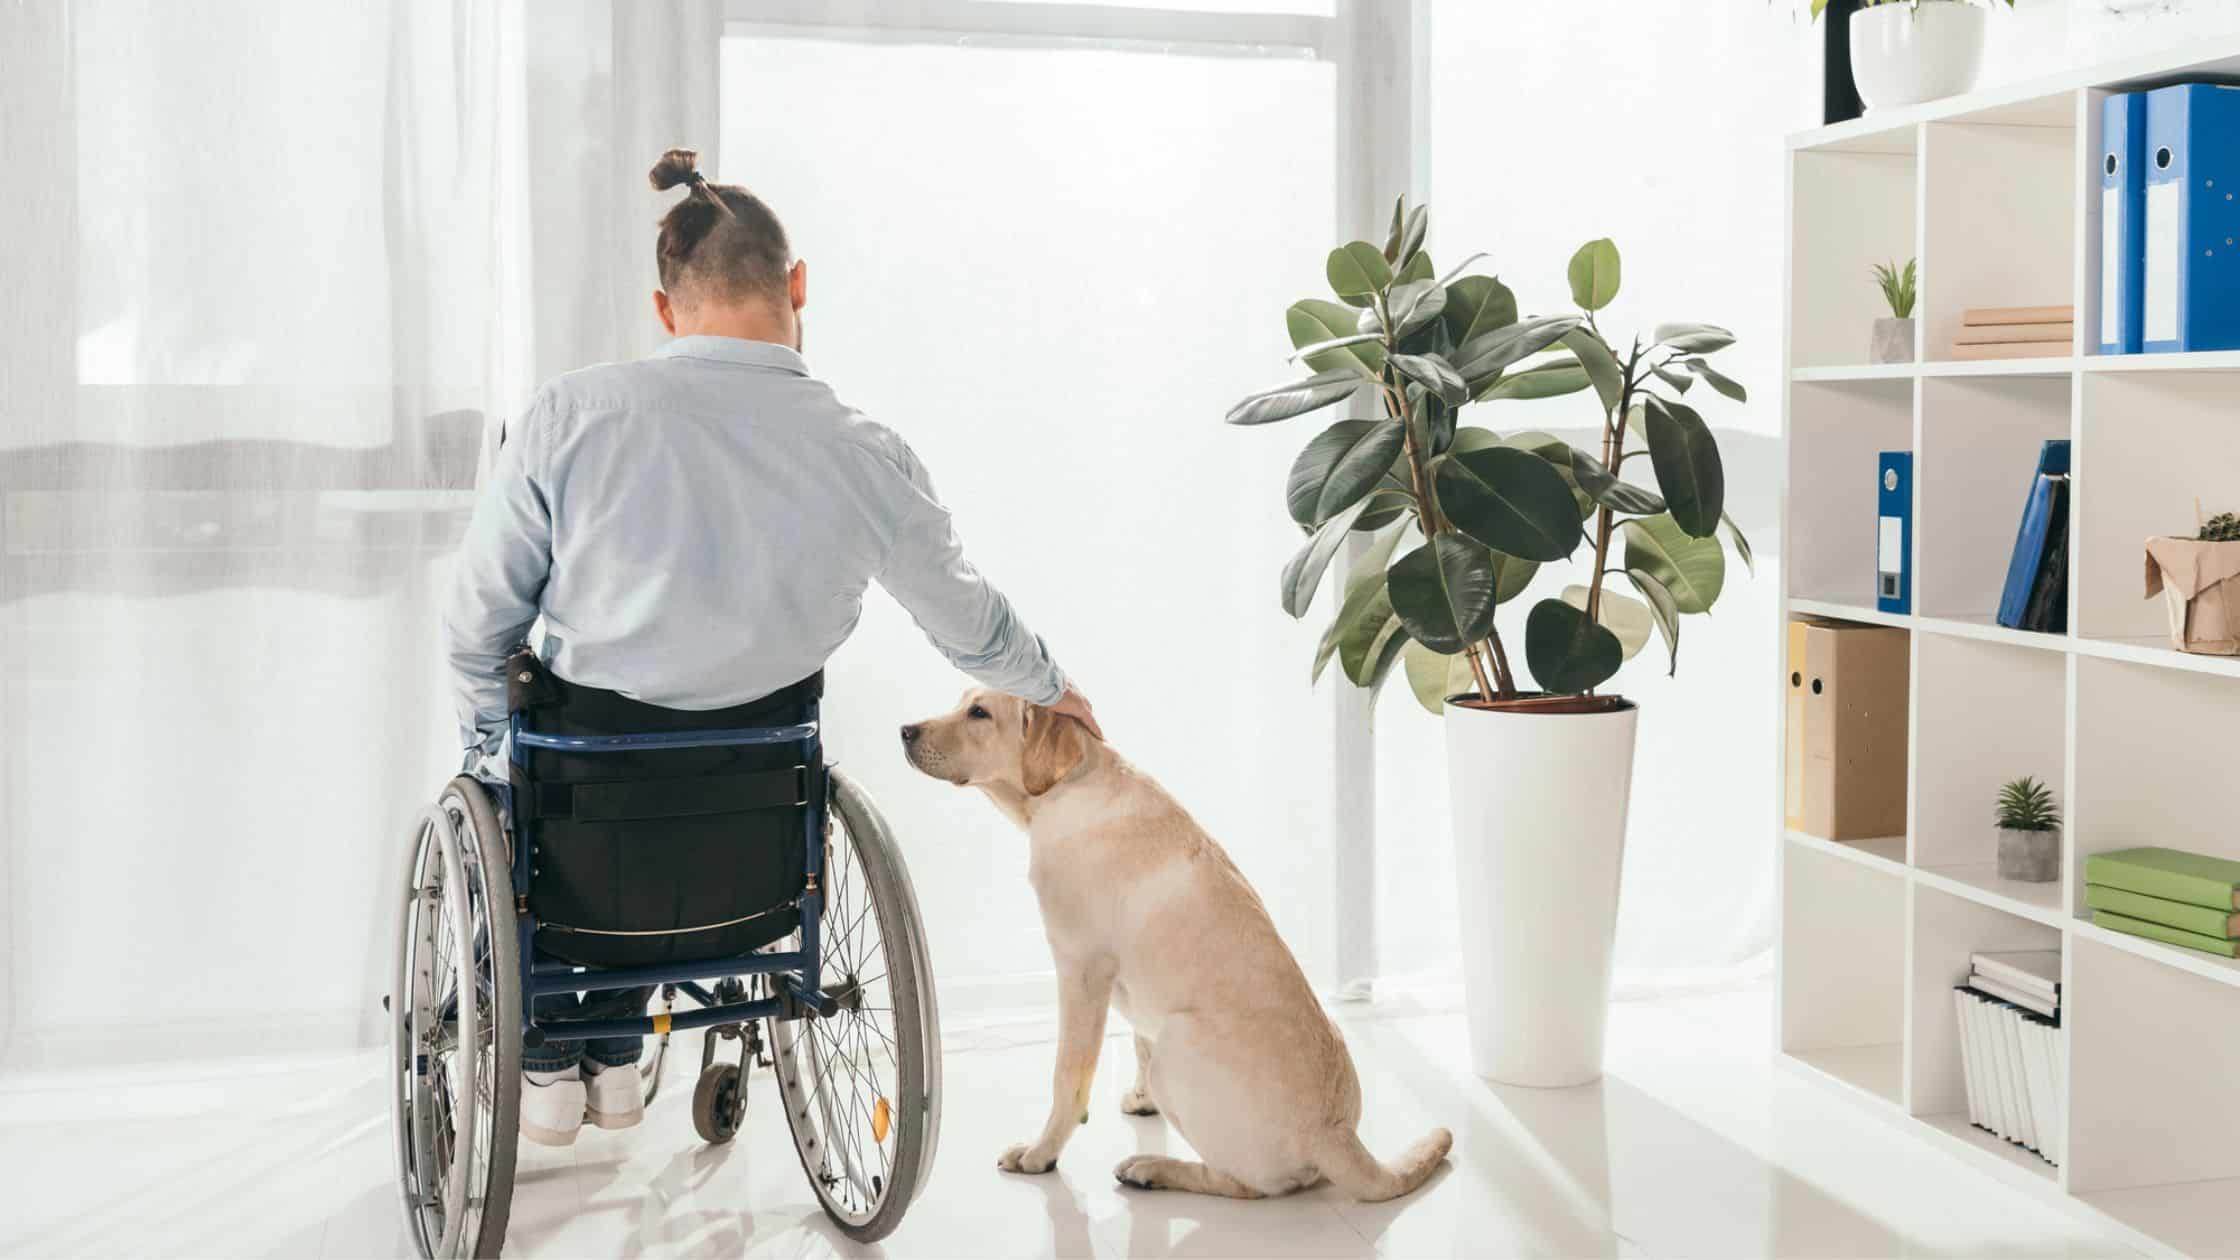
2035,971
1960,1004
2061,1081
2008,993
1997,1118
2039,1083
2011,1078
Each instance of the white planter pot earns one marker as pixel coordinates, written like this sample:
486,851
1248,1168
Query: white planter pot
1902,54
1539,835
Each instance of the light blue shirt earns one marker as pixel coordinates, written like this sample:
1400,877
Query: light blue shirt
697,530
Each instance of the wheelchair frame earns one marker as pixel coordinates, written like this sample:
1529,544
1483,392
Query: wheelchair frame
796,975
456,925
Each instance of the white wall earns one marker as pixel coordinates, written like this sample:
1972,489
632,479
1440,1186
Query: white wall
1660,125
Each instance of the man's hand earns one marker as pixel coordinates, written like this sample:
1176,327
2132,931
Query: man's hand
1076,706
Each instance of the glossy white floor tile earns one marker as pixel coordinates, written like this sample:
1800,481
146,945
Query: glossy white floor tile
1693,1145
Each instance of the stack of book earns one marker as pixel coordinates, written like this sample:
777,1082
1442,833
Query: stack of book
2167,895
2012,1054
2015,332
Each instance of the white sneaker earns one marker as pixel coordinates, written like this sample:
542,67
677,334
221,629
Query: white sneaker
551,1114
616,1095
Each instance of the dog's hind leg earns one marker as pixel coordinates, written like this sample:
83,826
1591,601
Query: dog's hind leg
1161,1172
1137,1101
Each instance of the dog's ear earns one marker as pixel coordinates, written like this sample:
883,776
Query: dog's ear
1053,745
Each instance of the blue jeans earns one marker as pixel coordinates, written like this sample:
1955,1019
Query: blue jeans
558,1056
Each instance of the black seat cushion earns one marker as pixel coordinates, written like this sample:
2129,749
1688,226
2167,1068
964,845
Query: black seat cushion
636,854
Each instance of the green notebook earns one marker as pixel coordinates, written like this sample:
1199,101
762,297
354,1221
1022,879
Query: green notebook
2177,914
2193,878
2166,934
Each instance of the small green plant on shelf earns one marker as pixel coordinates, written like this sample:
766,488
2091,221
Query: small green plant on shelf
2029,833
1899,288
2223,527
2027,805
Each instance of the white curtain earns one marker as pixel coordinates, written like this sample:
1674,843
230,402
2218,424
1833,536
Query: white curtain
264,296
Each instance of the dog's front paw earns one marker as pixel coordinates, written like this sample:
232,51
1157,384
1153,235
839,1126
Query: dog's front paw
1139,1171
1026,1159
1137,1102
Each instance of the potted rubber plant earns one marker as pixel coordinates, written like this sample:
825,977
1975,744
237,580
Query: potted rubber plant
1893,336
1904,52
2029,832
1455,521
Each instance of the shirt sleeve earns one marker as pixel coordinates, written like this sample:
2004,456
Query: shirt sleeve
965,617
499,583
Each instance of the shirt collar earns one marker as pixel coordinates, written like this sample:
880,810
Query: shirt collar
756,354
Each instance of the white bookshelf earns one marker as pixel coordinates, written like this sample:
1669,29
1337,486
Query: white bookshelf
1996,195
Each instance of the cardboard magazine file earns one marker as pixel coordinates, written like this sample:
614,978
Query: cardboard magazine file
1847,729
2200,583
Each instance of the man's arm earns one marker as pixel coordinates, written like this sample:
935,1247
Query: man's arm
965,617
502,567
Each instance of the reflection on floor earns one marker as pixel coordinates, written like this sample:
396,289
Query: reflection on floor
1692,1146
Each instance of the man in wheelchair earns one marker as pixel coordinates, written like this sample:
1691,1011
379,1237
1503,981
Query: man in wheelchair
695,531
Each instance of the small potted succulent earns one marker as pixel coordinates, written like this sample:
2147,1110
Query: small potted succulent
1904,52
1893,336
2029,832
2199,578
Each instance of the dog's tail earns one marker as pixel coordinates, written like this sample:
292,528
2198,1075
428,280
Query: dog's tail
1350,1167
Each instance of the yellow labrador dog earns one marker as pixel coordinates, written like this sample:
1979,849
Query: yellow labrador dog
1147,914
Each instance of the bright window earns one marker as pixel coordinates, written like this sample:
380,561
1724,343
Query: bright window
1057,323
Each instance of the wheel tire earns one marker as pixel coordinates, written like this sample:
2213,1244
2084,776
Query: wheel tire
719,1102
916,1026
483,858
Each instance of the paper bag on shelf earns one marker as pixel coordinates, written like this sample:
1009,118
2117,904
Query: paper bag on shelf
2200,583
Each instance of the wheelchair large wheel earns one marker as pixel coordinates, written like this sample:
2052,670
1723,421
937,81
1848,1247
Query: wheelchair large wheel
862,1087
455,1029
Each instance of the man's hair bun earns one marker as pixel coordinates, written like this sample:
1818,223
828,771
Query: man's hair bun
677,166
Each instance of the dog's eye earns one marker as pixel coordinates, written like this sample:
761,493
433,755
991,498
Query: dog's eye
976,712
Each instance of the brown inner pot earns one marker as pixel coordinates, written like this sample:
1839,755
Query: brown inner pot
1540,702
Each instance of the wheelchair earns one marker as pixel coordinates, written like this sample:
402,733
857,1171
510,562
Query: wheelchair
714,856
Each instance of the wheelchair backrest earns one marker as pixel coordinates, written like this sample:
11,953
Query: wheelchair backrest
651,835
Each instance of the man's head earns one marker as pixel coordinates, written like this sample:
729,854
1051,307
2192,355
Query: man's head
726,267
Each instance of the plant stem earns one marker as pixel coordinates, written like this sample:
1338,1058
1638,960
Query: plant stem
1502,683
1613,448
1478,671
1501,667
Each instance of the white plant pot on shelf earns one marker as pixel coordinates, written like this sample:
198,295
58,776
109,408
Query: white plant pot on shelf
1539,834
1903,54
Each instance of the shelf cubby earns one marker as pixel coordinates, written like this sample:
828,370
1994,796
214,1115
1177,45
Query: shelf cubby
1980,440
1947,931
1843,969
1985,713
1997,194
2154,765
2152,442
1854,207
1850,423
2154,1098
2013,183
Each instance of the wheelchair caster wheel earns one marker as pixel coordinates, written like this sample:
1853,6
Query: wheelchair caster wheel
719,1102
